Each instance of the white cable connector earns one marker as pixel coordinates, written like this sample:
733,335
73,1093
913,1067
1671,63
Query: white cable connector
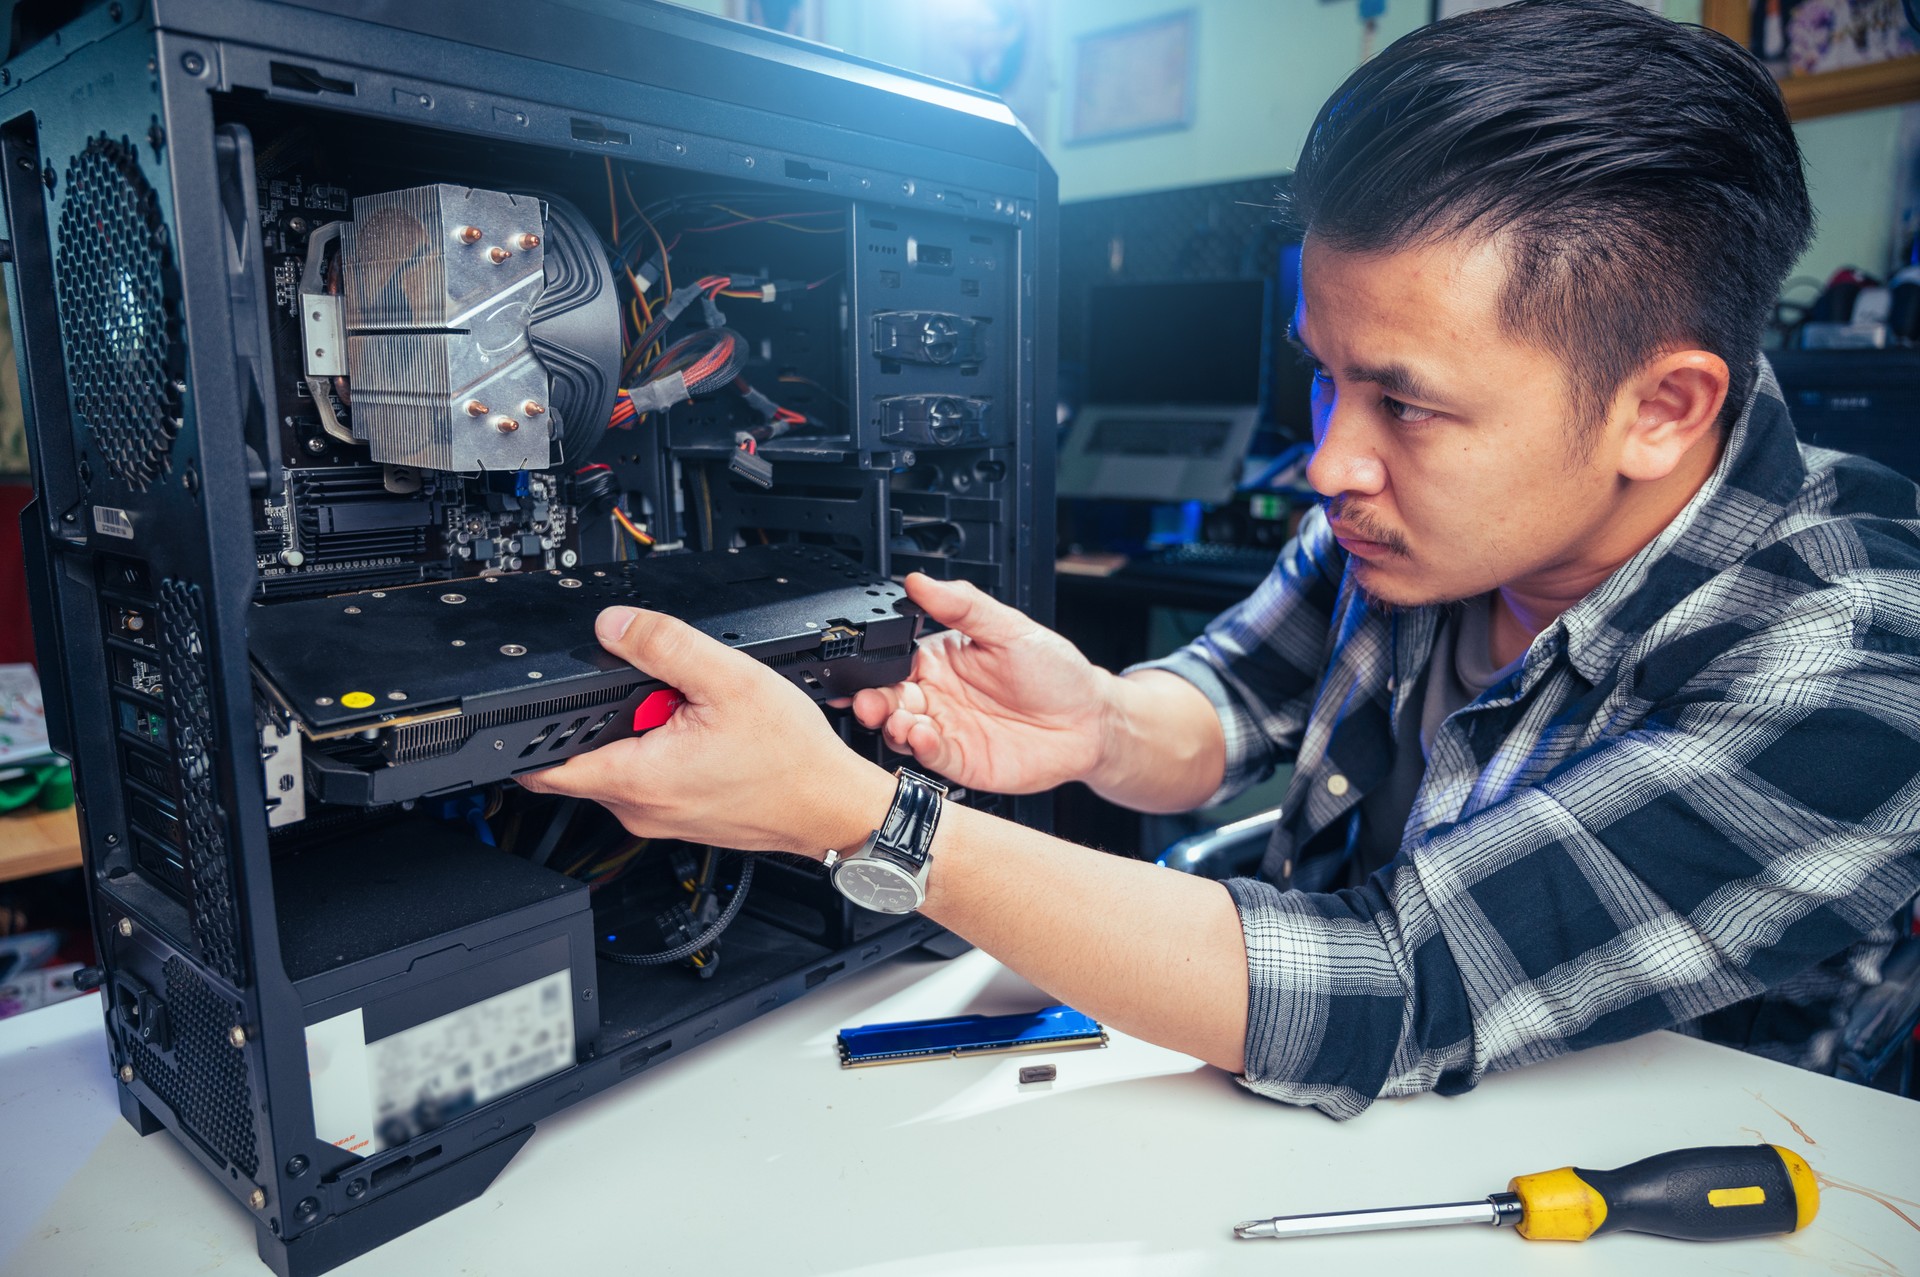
659,394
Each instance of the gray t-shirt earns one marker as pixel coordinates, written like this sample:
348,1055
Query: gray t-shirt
1460,668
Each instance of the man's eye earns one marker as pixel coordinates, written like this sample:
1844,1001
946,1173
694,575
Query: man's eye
1406,413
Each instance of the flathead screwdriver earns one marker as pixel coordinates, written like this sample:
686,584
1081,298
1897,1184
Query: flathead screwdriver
1698,1194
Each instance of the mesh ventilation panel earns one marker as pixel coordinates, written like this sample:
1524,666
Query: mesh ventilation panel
183,658
119,312
206,1085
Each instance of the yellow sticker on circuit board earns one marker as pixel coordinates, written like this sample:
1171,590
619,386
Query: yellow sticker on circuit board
357,700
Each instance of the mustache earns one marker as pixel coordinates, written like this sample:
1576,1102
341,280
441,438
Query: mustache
1362,523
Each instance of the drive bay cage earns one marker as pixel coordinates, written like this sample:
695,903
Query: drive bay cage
365,359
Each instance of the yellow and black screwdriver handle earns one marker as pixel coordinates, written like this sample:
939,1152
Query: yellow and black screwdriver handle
1698,1194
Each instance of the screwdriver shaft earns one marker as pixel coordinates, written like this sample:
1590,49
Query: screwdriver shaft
1483,1211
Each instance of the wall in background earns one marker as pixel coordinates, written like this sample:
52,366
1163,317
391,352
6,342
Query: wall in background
1264,68
1853,165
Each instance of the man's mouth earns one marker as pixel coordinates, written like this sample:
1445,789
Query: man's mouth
1355,541
1361,548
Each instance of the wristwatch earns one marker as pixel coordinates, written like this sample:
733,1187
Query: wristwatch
888,874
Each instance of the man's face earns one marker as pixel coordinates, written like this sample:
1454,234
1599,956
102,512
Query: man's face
1446,449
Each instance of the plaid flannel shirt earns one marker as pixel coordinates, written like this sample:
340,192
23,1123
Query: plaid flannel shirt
1695,805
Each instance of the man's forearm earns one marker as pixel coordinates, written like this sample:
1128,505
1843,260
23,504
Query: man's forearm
1153,952
1164,749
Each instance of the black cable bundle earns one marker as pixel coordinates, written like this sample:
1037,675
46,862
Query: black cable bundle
681,952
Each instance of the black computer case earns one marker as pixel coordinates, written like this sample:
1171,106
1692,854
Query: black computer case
195,196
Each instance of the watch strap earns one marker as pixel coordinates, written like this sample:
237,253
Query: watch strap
906,834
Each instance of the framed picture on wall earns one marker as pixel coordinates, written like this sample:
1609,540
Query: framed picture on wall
1133,79
1829,55
999,46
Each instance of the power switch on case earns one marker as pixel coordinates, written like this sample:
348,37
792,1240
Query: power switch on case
656,709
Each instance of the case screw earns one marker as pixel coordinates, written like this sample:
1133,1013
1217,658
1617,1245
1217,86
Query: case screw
237,1035
356,1188
308,1209
124,926
126,1072
257,1199
297,1165
192,63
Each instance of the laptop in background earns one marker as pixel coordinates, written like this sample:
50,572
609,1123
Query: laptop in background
1175,378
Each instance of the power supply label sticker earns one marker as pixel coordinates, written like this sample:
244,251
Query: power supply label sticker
337,1076
109,522
373,1096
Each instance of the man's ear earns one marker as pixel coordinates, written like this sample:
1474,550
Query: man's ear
1673,402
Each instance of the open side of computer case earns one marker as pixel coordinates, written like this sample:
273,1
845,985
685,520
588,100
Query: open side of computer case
365,359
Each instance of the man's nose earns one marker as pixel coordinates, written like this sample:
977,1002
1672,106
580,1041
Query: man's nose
1344,459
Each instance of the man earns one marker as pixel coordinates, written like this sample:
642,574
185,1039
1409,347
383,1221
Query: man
1603,695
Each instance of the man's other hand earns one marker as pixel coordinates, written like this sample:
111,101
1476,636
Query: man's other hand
748,761
996,702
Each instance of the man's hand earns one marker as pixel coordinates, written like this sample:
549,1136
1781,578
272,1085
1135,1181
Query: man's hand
997,702
748,761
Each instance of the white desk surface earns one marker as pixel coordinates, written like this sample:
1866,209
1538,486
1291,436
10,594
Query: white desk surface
757,1154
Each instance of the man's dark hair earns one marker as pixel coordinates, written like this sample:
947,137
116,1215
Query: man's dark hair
1642,174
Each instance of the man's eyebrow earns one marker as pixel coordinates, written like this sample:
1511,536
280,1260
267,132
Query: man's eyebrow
1396,379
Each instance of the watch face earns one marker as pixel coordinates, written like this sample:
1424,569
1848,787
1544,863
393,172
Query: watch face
877,885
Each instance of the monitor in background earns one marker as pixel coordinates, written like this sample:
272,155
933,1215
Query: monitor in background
1189,343
1175,376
